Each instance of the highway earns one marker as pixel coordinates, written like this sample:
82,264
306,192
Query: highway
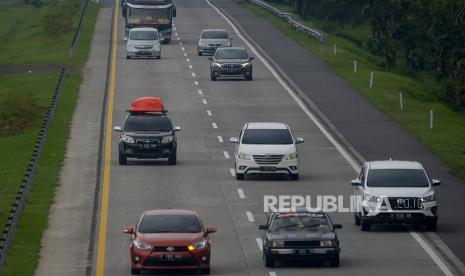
209,113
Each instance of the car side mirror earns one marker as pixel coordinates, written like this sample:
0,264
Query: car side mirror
251,58
177,128
117,128
129,230
263,227
210,58
356,182
210,230
337,226
435,182
234,140
299,140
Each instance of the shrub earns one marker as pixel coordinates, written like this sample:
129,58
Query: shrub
58,19
18,113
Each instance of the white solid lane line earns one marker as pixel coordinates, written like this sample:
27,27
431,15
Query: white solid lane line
226,154
220,139
200,91
214,125
204,101
323,130
249,216
259,243
241,193
233,173
209,113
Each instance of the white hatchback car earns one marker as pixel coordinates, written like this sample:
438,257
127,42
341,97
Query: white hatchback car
266,148
143,43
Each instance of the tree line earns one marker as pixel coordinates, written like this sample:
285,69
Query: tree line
427,35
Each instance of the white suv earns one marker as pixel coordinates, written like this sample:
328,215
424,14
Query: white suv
395,192
266,148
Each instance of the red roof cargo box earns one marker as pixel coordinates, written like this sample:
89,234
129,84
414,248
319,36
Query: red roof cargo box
148,104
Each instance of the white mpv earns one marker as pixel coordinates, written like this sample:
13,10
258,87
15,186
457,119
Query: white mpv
266,148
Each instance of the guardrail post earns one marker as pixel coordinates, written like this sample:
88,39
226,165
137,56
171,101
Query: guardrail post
335,49
431,120
355,66
401,101
371,79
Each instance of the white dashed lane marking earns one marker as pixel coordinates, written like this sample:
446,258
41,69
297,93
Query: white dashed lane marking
250,216
209,113
233,173
259,243
204,101
214,125
190,66
200,91
196,82
220,139
241,193
226,154
193,74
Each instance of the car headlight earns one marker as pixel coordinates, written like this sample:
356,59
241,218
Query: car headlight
167,139
143,246
243,156
199,245
277,244
127,139
130,45
371,198
247,64
292,156
216,64
329,243
429,198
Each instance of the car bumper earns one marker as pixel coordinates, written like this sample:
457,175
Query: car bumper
143,53
304,253
140,151
207,49
252,167
219,72
156,260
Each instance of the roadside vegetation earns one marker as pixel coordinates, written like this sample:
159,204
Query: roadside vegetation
423,90
24,98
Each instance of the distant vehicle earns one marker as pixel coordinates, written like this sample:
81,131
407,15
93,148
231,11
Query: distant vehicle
395,192
170,240
211,39
147,132
266,148
231,61
157,14
300,235
143,42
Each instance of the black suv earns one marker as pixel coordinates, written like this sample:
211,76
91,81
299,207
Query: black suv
231,61
300,235
147,135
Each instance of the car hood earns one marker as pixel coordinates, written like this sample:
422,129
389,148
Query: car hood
215,41
143,43
301,235
170,239
267,149
399,191
231,60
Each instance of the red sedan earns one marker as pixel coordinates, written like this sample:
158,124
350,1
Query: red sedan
170,239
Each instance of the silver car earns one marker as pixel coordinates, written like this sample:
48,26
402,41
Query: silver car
143,42
211,39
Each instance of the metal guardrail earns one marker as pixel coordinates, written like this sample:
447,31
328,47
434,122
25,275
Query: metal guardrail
21,196
72,49
293,21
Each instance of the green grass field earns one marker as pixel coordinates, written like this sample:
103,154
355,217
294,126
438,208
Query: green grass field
16,150
447,140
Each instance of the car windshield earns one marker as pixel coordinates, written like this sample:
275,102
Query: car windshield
267,137
300,222
146,122
170,224
231,54
149,16
143,35
214,35
397,178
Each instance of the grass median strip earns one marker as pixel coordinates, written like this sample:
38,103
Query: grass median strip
446,140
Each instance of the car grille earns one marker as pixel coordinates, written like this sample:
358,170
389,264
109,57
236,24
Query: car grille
405,203
302,244
143,47
175,262
268,159
214,44
174,248
232,65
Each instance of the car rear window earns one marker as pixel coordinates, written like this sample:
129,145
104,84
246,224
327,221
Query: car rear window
397,178
267,137
143,35
170,224
231,54
152,123
300,222
215,35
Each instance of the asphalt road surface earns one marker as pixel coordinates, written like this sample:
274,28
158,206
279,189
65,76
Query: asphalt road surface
209,113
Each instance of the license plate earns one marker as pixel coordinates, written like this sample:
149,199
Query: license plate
148,146
401,216
268,169
304,251
171,257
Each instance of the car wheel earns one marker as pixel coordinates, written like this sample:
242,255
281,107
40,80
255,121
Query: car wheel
248,78
172,160
122,158
334,262
239,176
205,271
135,271
213,77
432,226
294,176
200,53
269,261
159,57
365,226
357,218
128,57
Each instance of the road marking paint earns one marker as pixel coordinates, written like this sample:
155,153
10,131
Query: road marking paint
272,273
204,101
241,193
185,54
200,91
226,154
182,48
188,60
178,38
190,66
431,253
220,139
102,231
250,216
180,43
214,125
196,82
326,133
259,243
176,33
193,74
232,171
209,113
